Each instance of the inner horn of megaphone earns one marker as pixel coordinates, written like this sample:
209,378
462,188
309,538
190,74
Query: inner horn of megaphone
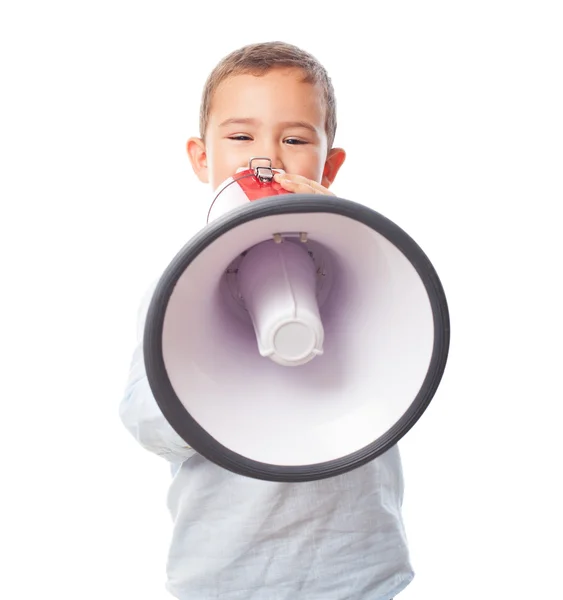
277,283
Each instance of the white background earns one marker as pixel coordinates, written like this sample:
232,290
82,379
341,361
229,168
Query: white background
451,113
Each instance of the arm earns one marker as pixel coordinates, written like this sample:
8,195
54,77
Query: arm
139,411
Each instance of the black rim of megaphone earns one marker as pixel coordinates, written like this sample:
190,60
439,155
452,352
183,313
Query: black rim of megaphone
201,441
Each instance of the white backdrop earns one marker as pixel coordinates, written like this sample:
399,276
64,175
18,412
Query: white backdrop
451,114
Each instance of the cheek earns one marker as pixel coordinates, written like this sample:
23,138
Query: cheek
227,156
221,165
310,167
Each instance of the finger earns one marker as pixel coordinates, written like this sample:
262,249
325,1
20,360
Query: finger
299,184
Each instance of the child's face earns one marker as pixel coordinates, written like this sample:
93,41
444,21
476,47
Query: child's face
274,116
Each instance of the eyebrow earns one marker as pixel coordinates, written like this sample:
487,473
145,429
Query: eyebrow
255,122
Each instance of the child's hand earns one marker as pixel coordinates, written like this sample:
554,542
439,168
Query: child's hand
300,185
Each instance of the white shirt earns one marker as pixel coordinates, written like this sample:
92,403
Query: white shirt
236,538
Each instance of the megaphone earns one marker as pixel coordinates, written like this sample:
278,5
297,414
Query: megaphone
297,336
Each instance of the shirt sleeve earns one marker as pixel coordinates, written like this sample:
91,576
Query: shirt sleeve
139,410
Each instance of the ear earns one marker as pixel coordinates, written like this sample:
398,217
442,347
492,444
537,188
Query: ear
334,161
198,158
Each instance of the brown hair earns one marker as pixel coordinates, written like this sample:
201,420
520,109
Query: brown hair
258,59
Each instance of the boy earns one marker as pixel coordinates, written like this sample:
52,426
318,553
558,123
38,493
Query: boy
234,537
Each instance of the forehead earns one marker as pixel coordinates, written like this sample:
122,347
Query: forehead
280,94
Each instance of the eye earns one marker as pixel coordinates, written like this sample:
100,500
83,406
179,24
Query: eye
241,137
295,142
